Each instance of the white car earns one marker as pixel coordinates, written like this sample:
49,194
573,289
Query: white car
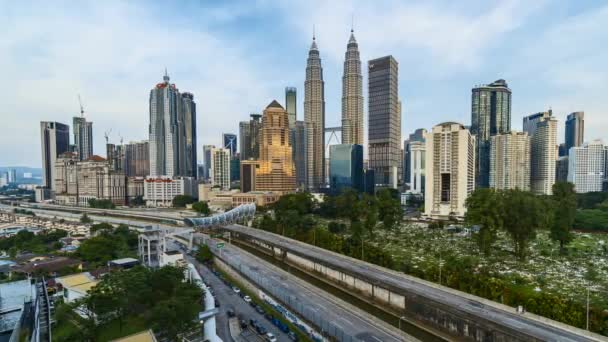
270,337
236,290
247,299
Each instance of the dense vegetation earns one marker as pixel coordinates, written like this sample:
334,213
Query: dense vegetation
43,242
109,243
180,201
592,213
138,298
101,203
341,223
521,214
201,208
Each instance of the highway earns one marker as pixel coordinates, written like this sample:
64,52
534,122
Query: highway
532,325
345,319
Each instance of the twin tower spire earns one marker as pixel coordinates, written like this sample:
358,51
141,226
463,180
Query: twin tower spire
314,108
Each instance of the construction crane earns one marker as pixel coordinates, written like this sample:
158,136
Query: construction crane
81,107
107,135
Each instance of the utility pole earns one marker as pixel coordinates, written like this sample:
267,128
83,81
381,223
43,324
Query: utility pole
587,305
440,265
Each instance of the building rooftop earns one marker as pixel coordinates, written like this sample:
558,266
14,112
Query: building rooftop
173,252
144,336
13,296
123,261
81,282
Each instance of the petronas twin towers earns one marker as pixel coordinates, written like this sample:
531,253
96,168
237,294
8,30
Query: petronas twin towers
314,109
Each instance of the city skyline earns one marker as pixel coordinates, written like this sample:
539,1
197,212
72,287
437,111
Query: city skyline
114,88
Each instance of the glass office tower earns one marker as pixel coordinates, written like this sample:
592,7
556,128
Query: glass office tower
346,167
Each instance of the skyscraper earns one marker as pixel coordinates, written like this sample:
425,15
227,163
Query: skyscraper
352,95
83,137
172,131
510,161
417,166
314,118
276,171
54,140
575,130
291,105
543,147
230,142
450,170
346,167
417,136
530,122
587,166
249,137
300,153
384,131
207,161
490,115
137,159
187,139
220,168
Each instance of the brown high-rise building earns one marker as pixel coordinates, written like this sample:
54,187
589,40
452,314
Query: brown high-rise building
248,174
276,171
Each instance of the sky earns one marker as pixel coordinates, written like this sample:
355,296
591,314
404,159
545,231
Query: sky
237,56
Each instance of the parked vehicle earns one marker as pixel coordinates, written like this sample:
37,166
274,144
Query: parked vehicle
292,336
236,290
247,299
270,337
243,324
261,330
230,313
260,310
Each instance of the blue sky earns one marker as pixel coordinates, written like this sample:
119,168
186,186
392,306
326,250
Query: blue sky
237,56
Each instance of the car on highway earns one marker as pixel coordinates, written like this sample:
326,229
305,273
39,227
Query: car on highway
247,299
270,337
292,336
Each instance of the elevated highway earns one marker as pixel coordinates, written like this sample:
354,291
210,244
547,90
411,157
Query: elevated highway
439,308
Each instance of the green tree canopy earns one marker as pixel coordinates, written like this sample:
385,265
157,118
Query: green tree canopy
485,208
564,213
523,214
201,208
180,201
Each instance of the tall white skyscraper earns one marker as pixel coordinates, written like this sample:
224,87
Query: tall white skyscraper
450,170
417,164
542,128
586,167
314,119
510,161
352,95
220,167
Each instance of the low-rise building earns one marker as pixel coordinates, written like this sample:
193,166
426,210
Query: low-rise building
260,198
160,191
172,258
76,286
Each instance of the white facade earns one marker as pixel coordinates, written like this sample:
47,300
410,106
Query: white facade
510,161
220,168
543,155
587,166
417,155
450,170
160,191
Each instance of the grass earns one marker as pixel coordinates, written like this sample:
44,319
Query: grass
267,307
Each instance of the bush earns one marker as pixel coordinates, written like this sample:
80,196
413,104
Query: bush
101,204
180,201
591,219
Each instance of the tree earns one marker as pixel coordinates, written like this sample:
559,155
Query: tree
564,204
389,208
523,214
484,208
137,201
202,208
85,219
180,201
204,254
101,203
